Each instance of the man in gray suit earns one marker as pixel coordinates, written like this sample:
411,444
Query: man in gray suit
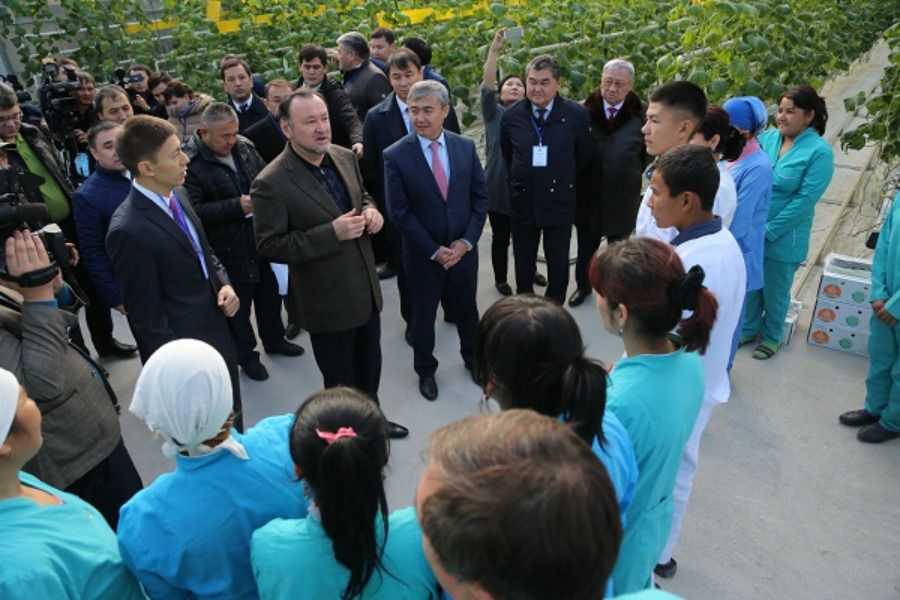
83,452
312,212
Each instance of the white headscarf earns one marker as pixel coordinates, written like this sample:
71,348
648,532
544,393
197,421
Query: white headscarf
9,402
184,394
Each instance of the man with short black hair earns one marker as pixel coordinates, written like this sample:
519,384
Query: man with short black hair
223,166
346,127
238,83
382,44
157,85
423,51
364,83
112,104
174,286
547,144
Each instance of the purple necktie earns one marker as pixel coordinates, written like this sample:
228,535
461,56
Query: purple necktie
178,215
439,176
612,112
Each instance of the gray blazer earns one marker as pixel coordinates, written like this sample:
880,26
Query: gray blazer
292,215
80,424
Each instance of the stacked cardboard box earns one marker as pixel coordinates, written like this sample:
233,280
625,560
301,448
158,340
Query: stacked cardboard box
841,316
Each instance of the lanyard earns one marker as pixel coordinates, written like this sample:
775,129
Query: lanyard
538,130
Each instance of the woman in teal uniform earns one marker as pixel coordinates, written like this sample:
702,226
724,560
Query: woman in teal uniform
656,391
803,164
348,546
53,544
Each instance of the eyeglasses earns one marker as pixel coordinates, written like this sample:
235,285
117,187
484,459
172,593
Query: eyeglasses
11,118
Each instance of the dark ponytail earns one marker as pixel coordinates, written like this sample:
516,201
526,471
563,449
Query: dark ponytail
339,443
530,349
648,277
717,122
806,98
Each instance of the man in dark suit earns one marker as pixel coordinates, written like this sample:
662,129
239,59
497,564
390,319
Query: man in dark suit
364,82
440,219
174,285
266,134
311,212
386,123
238,83
547,145
346,126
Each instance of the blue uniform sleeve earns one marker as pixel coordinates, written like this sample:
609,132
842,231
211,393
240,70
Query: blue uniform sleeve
138,557
815,181
755,188
880,265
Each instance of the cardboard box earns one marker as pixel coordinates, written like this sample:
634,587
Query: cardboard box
790,322
828,313
840,338
846,279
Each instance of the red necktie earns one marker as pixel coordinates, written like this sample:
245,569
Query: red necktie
438,169
612,112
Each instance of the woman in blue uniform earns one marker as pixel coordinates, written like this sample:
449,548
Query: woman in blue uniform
53,544
656,391
529,354
188,534
803,164
348,546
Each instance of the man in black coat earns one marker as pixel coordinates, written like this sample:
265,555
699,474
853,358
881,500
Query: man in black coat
547,144
364,82
223,165
385,124
238,83
610,196
174,285
346,126
266,134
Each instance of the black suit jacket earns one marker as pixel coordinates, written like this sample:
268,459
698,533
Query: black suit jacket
266,135
166,295
383,126
257,111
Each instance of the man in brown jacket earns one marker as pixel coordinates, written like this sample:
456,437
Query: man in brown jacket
311,212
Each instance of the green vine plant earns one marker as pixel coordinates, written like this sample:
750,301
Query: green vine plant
882,126
729,48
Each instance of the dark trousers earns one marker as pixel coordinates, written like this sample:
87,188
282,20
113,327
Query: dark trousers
110,484
264,296
588,242
96,314
351,357
525,239
500,236
457,288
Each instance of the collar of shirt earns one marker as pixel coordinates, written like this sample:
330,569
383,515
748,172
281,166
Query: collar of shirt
238,106
426,143
326,161
549,107
443,152
699,230
404,112
160,201
607,106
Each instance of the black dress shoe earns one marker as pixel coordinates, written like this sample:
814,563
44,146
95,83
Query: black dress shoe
667,570
286,349
408,336
578,297
858,418
397,431
255,371
875,434
504,288
540,280
428,387
115,348
385,271
291,331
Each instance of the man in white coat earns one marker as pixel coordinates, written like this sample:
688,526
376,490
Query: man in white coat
682,192
674,113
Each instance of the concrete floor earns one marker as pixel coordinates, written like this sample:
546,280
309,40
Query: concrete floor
786,503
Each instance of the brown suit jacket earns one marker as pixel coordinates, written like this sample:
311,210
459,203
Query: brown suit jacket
292,214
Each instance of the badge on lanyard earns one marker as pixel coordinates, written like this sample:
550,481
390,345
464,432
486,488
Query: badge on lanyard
539,156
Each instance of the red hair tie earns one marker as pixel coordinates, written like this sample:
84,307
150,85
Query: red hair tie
331,438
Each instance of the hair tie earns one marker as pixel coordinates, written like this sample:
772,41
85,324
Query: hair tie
685,292
331,438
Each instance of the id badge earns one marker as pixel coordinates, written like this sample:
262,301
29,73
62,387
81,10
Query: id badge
539,156
82,166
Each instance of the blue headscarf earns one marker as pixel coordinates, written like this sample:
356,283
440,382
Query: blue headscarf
747,112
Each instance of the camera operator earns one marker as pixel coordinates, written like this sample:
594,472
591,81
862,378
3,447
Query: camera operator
139,92
83,451
85,116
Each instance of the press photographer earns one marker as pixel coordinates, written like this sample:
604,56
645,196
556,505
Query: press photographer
137,84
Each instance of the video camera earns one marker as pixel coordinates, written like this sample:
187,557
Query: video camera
16,213
126,82
22,94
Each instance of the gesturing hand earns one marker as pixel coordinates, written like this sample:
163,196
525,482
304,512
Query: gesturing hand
349,225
